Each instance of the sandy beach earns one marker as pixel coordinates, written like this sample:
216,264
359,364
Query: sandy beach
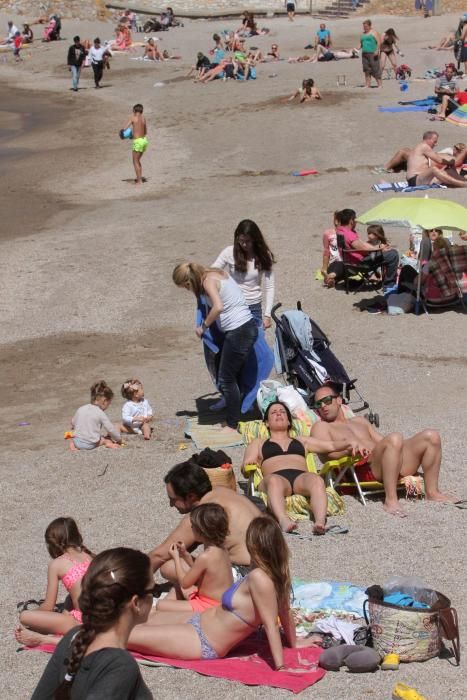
86,293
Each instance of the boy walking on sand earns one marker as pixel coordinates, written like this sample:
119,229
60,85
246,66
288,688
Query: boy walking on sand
140,140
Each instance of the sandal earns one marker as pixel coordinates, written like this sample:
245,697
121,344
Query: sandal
404,692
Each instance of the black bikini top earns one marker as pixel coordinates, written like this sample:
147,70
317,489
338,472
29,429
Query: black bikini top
273,449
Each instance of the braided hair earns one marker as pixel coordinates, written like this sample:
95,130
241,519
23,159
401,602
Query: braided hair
113,578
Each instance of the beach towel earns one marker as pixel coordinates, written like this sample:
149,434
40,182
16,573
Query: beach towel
403,186
429,101
213,436
250,664
257,367
403,108
328,596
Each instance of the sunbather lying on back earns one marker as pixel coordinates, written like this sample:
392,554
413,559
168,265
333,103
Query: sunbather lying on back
390,456
282,460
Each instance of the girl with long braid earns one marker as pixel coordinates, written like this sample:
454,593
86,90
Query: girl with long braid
92,661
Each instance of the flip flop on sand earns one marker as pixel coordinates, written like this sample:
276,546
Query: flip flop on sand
458,504
332,530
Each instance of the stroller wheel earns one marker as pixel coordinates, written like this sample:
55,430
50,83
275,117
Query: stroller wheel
376,420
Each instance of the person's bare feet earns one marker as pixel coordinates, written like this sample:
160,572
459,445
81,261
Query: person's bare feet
29,638
439,497
73,447
288,525
395,509
319,529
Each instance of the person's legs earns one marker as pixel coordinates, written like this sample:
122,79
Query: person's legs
277,489
313,486
137,166
424,449
237,346
383,59
432,174
47,622
444,106
75,71
391,261
399,159
174,641
392,60
386,465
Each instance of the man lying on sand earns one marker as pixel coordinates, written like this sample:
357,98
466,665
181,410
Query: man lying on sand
188,486
391,456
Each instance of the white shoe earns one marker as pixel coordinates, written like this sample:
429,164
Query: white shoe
219,405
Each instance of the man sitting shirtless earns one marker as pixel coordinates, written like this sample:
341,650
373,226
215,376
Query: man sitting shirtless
189,486
424,164
390,457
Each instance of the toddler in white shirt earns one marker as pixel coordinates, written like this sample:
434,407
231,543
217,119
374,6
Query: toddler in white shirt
136,411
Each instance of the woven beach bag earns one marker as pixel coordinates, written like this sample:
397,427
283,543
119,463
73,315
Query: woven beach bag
415,634
222,476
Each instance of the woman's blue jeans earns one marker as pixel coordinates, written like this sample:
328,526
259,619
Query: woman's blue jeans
235,350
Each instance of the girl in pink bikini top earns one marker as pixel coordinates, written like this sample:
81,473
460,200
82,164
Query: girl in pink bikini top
70,561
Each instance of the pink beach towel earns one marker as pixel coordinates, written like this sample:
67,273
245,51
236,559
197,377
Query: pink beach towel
251,665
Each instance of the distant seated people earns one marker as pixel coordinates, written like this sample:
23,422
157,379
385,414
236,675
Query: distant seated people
202,65
399,160
123,39
362,250
271,55
323,36
218,43
445,91
27,35
330,252
426,167
52,30
173,22
10,37
311,92
445,44
390,457
151,51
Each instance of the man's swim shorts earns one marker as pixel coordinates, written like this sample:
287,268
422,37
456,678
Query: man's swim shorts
140,145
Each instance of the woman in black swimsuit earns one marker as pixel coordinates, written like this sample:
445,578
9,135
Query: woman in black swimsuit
283,463
388,48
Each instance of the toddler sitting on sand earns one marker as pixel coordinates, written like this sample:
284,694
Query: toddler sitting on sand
90,421
136,411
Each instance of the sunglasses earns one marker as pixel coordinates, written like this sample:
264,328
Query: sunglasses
325,401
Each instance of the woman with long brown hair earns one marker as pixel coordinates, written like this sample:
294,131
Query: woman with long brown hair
250,261
256,600
92,660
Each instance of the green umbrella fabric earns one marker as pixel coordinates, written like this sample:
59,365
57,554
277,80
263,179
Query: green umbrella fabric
418,211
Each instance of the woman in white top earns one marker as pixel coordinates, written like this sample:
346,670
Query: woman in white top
249,261
230,311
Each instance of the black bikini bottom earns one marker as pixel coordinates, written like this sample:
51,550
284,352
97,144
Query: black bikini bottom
290,475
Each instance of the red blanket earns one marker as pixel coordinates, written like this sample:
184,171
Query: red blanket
250,664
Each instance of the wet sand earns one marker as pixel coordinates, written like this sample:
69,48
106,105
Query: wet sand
86,293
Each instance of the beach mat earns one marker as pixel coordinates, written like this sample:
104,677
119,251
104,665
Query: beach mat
250,664
213,436
403,108
403,186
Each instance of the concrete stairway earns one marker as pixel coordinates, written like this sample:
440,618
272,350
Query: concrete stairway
338,8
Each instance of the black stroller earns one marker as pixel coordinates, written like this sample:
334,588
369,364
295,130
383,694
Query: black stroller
307,371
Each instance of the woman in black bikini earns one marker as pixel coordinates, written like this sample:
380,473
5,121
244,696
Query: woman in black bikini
388,49
283,463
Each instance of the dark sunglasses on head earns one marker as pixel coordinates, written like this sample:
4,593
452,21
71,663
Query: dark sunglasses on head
154,591
325,401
